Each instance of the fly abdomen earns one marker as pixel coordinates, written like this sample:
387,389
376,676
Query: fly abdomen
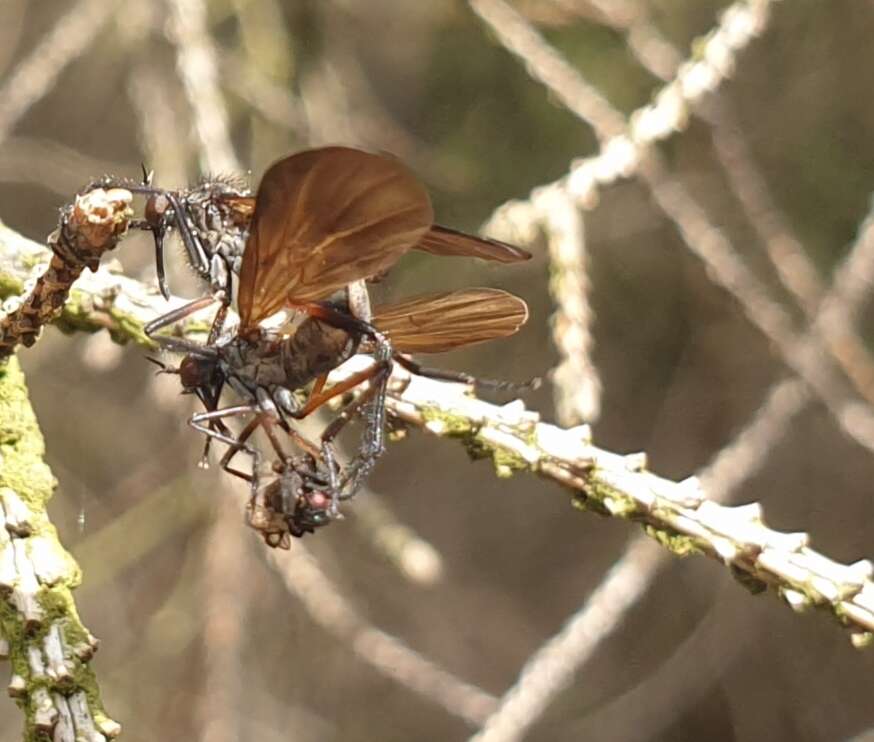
315,348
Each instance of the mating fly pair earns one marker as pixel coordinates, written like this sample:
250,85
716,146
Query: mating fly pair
322,222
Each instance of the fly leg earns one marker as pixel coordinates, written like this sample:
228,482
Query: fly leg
205,422
463,378
373,441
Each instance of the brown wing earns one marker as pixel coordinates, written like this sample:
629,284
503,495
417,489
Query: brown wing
324,218
444,241
433,323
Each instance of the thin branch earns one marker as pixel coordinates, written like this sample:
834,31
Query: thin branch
549,670
677,514
782,246
552,667
198,68
35,75
551,207
577,384
620,155
328,607
102,300
629,153
87,229
415,558
547,66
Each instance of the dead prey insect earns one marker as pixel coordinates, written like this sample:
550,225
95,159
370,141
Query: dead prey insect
322,220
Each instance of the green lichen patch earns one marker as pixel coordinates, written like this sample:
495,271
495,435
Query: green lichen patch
10,286
677,543
447,424
581,501
507,463
21,442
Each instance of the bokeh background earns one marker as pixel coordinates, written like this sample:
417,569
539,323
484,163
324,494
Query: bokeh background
202,637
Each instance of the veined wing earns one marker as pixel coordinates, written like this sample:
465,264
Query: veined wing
445,241
324,218
432,323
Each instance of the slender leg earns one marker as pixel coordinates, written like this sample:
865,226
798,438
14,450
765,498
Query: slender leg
203,422
463,378
177,315
317,400
373,443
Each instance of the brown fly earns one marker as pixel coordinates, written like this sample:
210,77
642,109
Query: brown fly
213,218
324,220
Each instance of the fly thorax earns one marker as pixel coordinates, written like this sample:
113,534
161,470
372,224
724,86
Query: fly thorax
216,225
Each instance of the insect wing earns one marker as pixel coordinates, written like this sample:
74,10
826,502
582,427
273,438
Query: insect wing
450,242
433,323
324,218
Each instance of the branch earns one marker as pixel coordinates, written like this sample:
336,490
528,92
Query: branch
676,514
100,300
88,228
48,646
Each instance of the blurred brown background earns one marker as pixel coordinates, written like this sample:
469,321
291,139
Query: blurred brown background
188,610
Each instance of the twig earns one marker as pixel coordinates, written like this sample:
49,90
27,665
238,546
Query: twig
577,384
549,67
48,646
34,76
416,559
782,246
552,667
622,147
676,514
102,300
327,606
802,354
629,153
87,229
620,155
196,60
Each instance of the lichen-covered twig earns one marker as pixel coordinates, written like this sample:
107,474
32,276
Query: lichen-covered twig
677,514
102,300
88,228
47,645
